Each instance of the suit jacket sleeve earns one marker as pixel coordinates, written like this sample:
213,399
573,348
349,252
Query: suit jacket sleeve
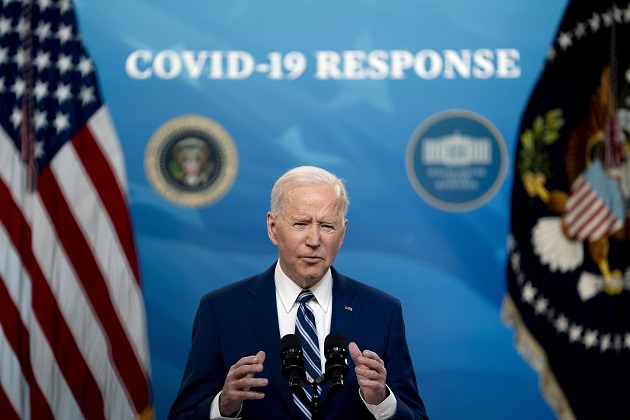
400,373
204,374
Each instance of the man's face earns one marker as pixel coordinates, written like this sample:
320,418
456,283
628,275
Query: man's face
308,232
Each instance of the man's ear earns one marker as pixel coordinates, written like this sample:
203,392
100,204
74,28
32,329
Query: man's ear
345,225
271,227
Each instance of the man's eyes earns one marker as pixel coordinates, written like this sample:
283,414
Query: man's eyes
326,227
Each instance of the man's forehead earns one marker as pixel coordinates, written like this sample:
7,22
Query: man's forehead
326,214
305,189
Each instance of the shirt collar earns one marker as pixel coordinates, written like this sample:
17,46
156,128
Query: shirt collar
288,291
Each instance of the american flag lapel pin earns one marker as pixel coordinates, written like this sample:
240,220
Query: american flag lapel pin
348,308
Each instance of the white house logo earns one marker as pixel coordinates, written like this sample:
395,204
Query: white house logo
191,160
456,160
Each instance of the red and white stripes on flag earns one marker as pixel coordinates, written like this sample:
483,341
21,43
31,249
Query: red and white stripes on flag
593,206
73,338
73,341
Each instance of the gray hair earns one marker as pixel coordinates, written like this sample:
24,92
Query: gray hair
308,175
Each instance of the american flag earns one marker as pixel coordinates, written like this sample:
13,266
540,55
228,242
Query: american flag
73,339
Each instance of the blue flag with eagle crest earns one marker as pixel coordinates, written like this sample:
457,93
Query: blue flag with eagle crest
568,274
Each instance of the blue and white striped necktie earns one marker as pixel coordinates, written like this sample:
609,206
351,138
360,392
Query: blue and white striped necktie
306,330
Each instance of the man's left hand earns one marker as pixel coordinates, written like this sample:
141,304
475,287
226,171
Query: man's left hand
371,374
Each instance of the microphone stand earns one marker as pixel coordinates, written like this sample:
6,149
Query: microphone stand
315,404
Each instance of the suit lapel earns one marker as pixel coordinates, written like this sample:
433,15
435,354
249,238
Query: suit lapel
346,308
263,315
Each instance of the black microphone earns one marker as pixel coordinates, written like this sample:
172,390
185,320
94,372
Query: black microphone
336,363
292,361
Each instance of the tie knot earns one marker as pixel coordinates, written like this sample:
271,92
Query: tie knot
305,296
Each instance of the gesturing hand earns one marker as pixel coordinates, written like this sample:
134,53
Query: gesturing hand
239,380
371,374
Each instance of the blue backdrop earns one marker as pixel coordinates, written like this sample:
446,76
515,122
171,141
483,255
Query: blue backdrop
446,265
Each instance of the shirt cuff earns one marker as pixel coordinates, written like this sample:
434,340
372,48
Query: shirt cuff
385,410
215,414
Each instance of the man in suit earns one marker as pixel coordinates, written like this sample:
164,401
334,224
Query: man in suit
234,366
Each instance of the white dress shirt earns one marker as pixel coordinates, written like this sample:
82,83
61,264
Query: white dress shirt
287,305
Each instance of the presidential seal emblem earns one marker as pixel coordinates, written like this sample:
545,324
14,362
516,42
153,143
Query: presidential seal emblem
191,160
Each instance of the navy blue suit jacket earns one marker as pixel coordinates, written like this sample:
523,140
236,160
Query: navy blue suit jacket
241,319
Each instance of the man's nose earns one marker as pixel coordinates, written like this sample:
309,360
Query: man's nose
313,237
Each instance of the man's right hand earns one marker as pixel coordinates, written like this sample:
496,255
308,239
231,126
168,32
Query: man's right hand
239,380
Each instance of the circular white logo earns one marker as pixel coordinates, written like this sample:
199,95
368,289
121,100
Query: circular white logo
456,160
